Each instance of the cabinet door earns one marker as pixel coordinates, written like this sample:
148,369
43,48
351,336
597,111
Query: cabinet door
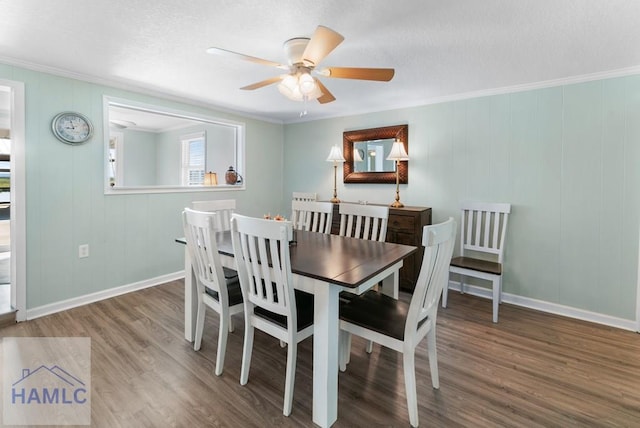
402,228
405,238
405,227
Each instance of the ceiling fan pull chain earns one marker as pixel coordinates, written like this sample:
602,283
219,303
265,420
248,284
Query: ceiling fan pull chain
305,98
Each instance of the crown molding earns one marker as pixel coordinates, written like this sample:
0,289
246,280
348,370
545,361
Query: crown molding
610,74
128,86
170,96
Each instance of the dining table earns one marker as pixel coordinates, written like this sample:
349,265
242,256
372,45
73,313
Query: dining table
324,265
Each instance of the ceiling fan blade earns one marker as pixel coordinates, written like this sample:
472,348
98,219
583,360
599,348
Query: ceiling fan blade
236,55
379,74
326,96
263,83
323,41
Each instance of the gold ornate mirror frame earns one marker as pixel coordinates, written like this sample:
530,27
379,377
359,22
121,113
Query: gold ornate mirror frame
349,138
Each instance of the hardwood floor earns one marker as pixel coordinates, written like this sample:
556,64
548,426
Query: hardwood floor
532,369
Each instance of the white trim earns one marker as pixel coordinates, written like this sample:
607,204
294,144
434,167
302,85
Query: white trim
174,189
610,74
549,307
166,94
474,290
638,292
74,302
160,93
108,101
629,71
18,199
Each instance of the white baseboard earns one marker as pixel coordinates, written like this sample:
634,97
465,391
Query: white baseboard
74,302
552,308
474,290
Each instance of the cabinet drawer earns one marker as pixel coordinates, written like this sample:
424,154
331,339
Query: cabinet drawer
402,223
406,239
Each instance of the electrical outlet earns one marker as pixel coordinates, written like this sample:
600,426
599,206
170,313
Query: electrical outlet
83,251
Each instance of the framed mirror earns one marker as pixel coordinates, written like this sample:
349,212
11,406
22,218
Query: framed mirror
150,149
366,150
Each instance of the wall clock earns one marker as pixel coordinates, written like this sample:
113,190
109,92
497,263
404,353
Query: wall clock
71,128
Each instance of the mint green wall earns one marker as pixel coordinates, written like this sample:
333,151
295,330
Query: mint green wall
567,159
139,158
220,152
130,236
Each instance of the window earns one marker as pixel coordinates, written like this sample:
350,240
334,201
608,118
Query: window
193,158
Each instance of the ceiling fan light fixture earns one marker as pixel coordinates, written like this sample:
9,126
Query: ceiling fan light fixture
294,49
289,88
315,94
306,83
304,54
299,87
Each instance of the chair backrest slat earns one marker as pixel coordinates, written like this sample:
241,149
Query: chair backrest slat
483,227
261,251
364,221
438,241
224,208
199,232
304,196
312,216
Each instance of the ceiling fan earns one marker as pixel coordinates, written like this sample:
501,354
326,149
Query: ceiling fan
304,54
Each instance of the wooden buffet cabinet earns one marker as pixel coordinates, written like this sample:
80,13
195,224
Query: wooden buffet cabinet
404,227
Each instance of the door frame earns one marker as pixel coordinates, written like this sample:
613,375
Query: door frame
18,197
638,289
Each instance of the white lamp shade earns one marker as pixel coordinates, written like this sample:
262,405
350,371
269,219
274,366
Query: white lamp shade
335,155
297,88
289,88
398,153
356,156
306,83
210,179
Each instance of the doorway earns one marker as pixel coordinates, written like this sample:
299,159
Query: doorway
12,202
6,305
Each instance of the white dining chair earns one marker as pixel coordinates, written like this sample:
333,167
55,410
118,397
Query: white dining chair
364,221
312,216
217,287
304,196
261,250
399,325
483,229
223,207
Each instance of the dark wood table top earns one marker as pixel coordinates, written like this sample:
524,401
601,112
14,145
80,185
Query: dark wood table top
348,262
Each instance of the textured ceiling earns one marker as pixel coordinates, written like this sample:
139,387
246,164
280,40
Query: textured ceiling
440,49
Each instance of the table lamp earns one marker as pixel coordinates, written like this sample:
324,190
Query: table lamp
398,153
335,156
210,179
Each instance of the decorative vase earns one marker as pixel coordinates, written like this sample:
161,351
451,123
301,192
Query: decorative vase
231,176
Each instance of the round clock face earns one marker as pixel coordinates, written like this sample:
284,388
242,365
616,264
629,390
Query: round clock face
72,128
